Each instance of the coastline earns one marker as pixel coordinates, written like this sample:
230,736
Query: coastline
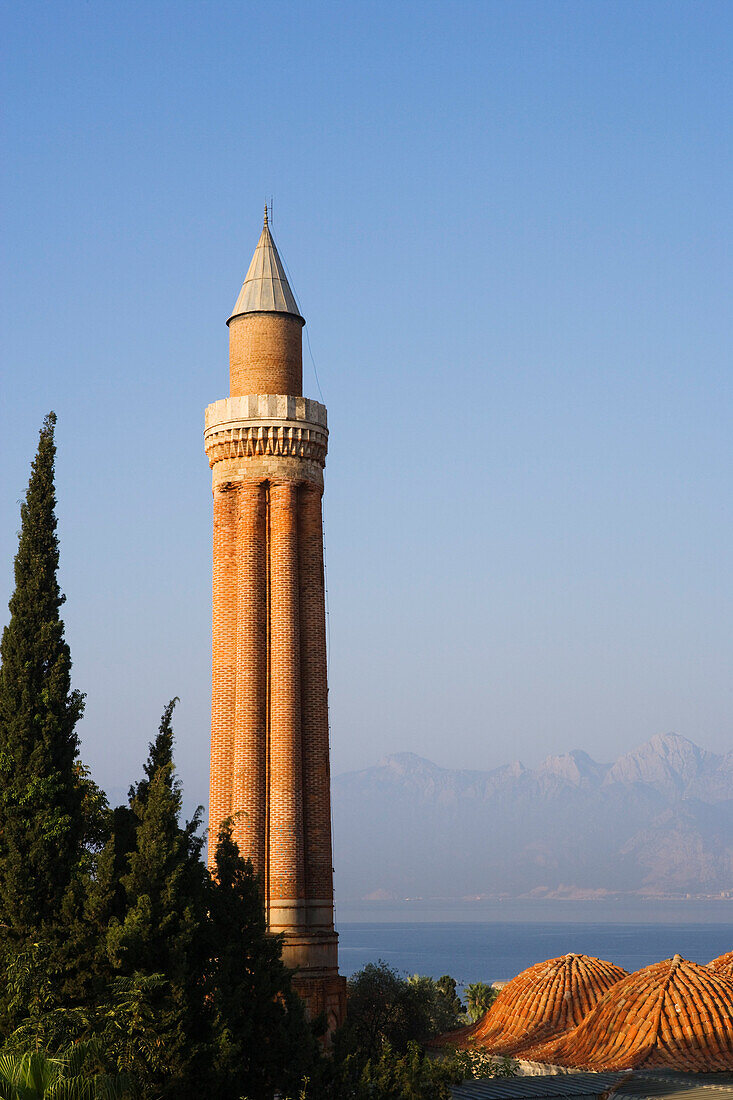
493,950
544,911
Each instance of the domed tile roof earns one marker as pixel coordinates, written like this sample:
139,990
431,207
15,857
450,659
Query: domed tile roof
548,998
674,1014
723,965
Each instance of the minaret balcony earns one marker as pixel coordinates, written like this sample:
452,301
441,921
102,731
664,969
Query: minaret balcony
267,427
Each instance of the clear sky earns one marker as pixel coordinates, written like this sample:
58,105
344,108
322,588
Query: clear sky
508,226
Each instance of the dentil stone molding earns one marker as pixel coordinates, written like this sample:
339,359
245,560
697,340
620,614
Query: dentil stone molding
264,426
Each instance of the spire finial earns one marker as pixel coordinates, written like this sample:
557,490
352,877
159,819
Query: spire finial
266,288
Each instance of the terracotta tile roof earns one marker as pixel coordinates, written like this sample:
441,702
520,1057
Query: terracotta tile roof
674,1014
723,964
548,998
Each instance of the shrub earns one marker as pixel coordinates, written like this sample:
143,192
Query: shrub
475,1064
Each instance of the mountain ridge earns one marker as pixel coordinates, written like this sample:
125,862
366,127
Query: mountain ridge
657,821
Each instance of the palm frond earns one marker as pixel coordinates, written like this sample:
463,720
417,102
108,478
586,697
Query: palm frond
9,1068
71,1088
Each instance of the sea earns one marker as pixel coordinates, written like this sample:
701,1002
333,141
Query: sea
492,949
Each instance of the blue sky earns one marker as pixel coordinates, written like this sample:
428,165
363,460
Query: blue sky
508,225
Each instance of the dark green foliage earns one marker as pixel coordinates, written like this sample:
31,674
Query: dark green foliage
475,1064
74,1074
159,764
127,1027
52,816
437,1002
385,1009
125,967
479,998
34,1017
262,1040
105,898
411,1076
162,929
186,993
390,1075
48,806
377,1052
381,1011
164,877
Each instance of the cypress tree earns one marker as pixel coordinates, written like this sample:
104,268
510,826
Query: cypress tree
162,930
98,900
43,788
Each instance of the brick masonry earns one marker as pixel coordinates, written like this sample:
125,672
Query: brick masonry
270,771
265,353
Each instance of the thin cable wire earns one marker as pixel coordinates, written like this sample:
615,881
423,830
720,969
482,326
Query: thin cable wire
328,669
328,609
310,352
307,334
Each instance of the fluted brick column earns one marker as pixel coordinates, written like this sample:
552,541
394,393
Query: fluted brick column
250,740
314,698
224,657
286,882
266,444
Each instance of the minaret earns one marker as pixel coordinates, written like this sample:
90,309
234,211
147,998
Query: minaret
266,445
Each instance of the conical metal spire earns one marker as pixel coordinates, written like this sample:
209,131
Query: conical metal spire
266,288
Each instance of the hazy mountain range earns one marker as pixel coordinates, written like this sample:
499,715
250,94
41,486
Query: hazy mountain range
657,821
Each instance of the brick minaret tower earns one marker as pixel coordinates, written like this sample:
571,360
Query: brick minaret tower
266,445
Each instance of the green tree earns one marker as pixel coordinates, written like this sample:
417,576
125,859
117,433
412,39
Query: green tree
437,1002
127,1029
47,803
479,998
381,1011
390,1075
36,1017
263,1042
163,927
122,1025
385,1009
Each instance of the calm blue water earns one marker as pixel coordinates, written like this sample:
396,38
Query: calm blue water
494,950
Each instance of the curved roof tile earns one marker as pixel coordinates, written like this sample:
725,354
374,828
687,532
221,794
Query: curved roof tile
723,964
542,1001
674,1014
